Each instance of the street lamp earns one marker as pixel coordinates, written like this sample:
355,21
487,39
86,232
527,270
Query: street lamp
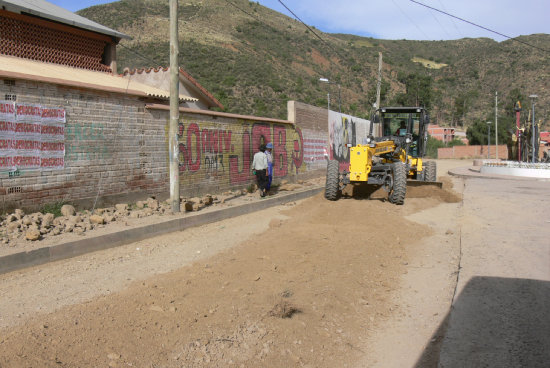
489,140
325,80
533,99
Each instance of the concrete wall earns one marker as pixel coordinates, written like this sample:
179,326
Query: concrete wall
472,152
116,149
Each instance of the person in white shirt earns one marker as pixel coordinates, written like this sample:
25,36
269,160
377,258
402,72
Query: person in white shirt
259,168
268,149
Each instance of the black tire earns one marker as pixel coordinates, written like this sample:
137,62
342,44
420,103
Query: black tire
430,171
332,185
399,190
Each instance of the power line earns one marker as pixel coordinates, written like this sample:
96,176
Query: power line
452,20
140,55
244,11
312,31
482,27
410,20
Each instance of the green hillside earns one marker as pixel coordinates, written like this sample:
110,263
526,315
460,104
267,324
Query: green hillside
254,60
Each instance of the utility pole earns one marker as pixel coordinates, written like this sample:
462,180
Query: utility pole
533,140
496,123
379,82
174,109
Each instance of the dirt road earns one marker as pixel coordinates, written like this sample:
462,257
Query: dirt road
352,283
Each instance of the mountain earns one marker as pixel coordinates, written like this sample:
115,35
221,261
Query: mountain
254,59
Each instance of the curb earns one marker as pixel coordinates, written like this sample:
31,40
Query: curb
471,172
17,261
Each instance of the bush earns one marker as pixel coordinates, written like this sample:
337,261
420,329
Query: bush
54,208
432,146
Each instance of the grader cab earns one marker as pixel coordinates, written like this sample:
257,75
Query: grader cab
393,154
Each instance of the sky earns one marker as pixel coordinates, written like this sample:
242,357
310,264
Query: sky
404,19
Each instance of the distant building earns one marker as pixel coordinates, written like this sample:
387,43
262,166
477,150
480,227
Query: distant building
445,135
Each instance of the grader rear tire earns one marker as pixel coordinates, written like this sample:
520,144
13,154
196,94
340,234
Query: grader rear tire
399,190
430,171
332,185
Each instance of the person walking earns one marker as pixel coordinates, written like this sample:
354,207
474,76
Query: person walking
259,168
269,149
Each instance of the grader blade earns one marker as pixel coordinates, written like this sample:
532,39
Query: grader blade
418,183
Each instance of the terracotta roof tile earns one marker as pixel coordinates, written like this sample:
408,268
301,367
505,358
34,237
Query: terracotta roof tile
186,75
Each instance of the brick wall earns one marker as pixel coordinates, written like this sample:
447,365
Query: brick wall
472,152
308,117
313,123
216,149
110,149
116,149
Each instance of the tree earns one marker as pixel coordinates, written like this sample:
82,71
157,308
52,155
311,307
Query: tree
418,90
477,133
461,106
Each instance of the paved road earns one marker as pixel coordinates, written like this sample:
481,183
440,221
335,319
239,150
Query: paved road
499,315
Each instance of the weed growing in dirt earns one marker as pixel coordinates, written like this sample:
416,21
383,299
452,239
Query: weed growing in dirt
284,310
251,188
54,208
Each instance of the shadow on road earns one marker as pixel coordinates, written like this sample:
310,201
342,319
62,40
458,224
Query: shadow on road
494,322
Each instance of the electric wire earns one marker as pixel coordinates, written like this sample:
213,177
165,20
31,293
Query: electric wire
479,26
452,20
312,31
244,11
410,20
441,25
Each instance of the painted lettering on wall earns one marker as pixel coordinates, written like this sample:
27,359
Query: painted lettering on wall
32,137
224,151
85,142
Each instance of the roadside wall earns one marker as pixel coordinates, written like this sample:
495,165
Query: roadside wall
109,149
472,152
345,129
312,122
216,149
115,149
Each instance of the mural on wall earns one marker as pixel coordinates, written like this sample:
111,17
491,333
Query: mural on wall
343,130
223,152
32,137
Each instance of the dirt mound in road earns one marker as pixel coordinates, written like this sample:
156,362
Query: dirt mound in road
444,194
328,269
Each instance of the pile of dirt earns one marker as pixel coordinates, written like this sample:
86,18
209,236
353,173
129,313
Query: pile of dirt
443,194
304,293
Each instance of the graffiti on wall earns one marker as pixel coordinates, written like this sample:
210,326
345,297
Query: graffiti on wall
224,152
78,139
343,130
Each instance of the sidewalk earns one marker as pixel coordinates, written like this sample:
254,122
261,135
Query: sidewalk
20,260
499,315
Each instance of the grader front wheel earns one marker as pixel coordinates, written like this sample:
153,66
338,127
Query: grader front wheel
430,171
332,185
399,190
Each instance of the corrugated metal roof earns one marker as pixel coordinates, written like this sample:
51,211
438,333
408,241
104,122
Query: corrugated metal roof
17,68
50,11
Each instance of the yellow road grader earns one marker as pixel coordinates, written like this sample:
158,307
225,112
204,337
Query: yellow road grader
389,160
